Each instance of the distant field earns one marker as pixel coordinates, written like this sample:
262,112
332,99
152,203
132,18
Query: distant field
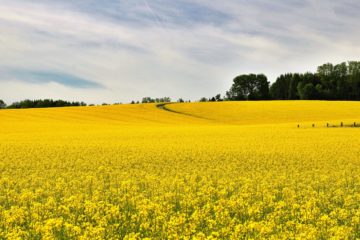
227,170
271,112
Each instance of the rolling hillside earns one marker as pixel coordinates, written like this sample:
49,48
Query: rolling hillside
206,171
270,112
242,113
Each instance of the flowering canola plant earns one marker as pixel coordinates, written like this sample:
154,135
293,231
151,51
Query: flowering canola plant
230,170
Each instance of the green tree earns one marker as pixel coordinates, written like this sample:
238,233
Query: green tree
2,104
218,97
147,100
279,90
293,93
354,80
310,92
249,87
328,80
340,74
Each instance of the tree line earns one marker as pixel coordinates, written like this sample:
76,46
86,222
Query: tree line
330,82
155,100
45,103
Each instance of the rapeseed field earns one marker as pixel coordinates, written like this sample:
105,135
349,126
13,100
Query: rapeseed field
230,170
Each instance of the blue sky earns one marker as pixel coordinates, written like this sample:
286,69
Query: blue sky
116,50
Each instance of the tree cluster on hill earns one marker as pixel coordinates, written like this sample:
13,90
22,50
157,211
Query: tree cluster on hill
181,100
216,98
249,87
330,82
156,100
44,104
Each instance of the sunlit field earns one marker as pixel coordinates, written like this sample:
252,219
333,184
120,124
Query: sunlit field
227,170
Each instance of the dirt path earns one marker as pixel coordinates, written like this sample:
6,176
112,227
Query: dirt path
162,106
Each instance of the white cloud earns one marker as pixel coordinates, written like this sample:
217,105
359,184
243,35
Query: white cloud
168,49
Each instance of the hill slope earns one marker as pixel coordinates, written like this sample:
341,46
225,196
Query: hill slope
242,113
270,112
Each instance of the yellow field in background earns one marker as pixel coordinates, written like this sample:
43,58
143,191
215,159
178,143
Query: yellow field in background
272,112
231,170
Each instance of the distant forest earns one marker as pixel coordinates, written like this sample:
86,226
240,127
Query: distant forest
330,82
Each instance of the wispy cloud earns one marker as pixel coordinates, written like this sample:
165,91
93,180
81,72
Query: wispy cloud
179,48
